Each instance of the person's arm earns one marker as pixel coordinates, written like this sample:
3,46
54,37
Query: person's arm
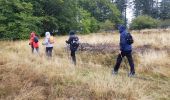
31,41
77,38
69,40
45,41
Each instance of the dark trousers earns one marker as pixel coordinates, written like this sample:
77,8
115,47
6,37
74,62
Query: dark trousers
49,51
128,54
73,56
32,48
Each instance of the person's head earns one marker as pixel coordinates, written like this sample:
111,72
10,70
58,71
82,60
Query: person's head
51,33
32,34
47,34
72,32
121,28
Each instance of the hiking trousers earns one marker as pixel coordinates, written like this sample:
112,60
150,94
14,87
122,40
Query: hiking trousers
49,51
128,54
32,48
73,56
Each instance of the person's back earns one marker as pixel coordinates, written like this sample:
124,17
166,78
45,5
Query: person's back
124,46
36,44
47,40
48,44
73,41
125,50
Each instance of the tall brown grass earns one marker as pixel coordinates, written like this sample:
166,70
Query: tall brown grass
24,76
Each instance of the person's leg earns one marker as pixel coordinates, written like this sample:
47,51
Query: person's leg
32,48
50,51
118,62
131,63
73,56
37,49
46,51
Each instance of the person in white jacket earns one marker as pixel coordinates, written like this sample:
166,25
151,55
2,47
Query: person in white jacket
49,46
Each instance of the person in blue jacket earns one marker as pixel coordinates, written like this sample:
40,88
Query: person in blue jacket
125,50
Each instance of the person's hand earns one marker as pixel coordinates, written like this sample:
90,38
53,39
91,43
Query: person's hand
119,52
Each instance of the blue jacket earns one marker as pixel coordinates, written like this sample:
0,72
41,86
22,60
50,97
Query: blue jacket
123,44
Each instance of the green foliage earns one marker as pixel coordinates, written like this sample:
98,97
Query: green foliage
19,17
165,23
107,25
87,23
101,10
146,7
143,22
165,8
120,4
16,19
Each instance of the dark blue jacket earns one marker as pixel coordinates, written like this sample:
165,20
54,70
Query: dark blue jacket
70,40
124,46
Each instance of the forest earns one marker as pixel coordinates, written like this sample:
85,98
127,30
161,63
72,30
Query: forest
20,17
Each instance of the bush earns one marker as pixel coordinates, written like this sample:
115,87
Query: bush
19,22
165,23
107,26
143,22
87,23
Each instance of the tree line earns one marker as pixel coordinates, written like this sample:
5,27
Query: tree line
19,17
148,13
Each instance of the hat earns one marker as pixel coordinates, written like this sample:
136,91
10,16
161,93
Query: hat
72,32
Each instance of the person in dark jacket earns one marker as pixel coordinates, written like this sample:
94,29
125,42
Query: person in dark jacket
125,50
73,41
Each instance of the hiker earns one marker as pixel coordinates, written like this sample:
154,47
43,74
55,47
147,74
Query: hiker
34,42
48,42
73,41
125,50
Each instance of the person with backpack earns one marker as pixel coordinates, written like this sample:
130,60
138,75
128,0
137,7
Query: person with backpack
73,41
34,43
126,41
48,42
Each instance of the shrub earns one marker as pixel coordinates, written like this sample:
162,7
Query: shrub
165,23
107,26
143,22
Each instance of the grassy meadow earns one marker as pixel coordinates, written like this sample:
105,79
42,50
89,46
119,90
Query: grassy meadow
24,76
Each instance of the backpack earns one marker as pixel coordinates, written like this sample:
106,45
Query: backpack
75,43
35,39
51,39
129,39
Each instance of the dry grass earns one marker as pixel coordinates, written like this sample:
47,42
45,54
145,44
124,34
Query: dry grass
24,76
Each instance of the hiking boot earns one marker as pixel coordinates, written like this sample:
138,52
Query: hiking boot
114,73
131,75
